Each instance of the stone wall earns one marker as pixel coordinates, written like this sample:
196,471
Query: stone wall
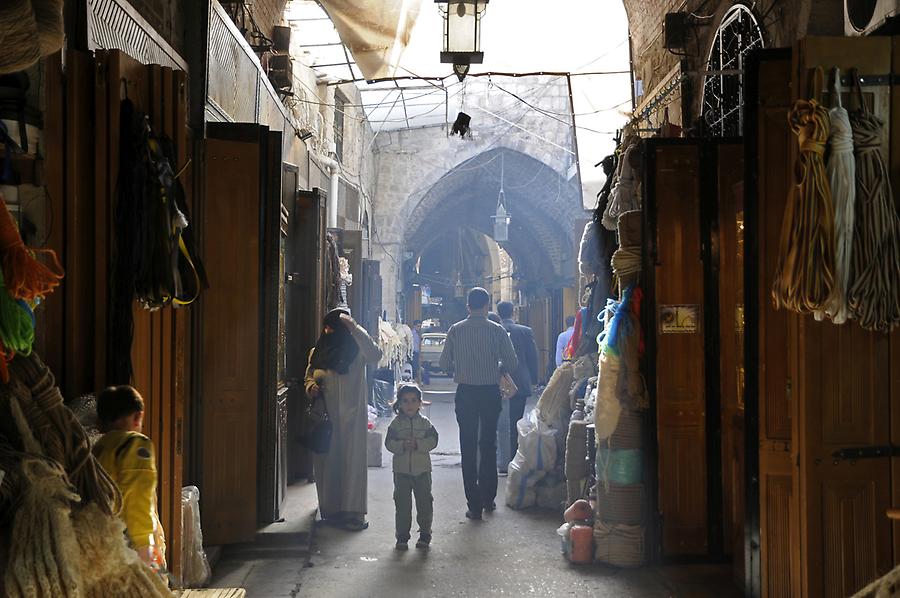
782,23
424,172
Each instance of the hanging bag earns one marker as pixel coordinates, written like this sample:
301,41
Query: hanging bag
319,431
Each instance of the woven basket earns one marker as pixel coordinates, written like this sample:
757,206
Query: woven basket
629,433
620,504
619,545
620,466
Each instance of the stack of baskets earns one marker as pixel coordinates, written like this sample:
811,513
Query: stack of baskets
619,512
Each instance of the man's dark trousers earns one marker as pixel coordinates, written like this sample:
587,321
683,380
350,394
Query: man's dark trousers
477,412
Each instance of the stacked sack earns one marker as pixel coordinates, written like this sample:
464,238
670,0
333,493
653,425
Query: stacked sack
619,512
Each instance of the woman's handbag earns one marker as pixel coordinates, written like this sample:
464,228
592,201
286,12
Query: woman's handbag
319,429
508,388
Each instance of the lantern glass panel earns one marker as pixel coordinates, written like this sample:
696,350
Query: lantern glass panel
462,27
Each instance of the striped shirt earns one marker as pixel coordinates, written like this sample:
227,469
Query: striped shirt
475,349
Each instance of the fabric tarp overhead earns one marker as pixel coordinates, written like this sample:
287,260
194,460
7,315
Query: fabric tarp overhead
375,31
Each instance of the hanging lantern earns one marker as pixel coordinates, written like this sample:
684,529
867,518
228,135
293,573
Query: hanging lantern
501,222
462,34
501,217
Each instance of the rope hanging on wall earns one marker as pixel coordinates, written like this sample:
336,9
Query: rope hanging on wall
29,29
804,276
874,296
842,179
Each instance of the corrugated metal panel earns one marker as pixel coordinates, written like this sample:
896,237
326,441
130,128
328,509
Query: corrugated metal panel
116,25
238,88
233,70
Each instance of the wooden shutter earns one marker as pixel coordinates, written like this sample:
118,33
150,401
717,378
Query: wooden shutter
230,341
680,372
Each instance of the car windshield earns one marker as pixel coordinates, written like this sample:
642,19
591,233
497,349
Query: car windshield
433,340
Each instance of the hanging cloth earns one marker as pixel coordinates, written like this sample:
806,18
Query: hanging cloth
841,168
804,276
874,296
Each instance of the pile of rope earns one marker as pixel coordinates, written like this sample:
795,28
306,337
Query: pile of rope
874,295
29,29
66,539
804,275
624,197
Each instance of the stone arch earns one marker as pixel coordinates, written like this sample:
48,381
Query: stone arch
542,203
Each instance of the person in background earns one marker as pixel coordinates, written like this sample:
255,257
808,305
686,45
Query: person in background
411,437
563,339
128,457
525,375
416,349
337,372
478,351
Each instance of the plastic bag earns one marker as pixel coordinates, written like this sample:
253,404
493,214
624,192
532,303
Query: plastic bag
195,571
383,397
535,457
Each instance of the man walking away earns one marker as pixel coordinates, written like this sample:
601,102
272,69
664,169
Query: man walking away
474,351
563,339
524,375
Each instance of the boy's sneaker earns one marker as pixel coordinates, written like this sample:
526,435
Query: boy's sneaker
424,541
402,545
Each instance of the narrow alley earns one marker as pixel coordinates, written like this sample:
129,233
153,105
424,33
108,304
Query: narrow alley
511,553
270,269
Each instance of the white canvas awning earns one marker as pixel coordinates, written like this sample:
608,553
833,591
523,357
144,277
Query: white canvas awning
374,31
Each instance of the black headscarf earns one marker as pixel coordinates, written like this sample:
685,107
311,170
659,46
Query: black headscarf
335,351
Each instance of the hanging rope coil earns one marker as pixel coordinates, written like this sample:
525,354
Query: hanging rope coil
804,276
874,296
842,179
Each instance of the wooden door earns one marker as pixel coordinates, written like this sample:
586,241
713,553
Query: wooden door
730,249
352,248
230,345
841,379
160,338
772,554
677,293
305,310
372,295
290,184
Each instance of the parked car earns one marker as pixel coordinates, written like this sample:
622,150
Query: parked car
432,347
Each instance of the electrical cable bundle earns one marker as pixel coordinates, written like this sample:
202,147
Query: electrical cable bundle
804,276
874,296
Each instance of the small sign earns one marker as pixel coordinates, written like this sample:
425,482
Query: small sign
679,319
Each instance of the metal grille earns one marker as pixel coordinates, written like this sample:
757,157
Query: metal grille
238,88
723,97
115,25
232,78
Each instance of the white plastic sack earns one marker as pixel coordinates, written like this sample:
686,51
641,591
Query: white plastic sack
608,408
374,442
195,571
520,493
535,457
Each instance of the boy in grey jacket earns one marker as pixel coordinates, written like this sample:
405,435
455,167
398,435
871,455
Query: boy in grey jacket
411,437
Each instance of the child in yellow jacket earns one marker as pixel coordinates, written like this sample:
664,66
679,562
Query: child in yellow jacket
128,457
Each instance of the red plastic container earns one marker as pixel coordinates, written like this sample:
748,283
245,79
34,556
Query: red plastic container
582,544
